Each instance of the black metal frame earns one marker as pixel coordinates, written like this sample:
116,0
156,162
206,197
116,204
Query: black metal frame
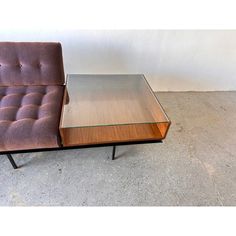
113,153
9,153
10,158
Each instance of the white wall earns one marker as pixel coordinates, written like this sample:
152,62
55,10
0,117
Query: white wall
171,60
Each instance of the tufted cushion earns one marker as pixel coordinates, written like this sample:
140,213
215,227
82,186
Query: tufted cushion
29,116
31,63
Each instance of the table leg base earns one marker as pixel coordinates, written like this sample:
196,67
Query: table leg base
113,153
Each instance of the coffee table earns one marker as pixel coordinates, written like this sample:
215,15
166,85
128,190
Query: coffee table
102,110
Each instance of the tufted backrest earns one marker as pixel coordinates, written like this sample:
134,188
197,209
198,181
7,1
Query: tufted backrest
31,63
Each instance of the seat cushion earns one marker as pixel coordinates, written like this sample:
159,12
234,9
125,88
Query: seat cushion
29,117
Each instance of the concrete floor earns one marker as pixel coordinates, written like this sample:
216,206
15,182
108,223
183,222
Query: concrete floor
195,166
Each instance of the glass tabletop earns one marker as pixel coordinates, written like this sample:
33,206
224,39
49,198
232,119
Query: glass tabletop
104,100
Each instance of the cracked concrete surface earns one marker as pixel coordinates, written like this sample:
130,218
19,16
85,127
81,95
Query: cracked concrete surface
195,166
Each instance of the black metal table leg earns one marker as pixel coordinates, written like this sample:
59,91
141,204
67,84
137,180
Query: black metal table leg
10,158
113,153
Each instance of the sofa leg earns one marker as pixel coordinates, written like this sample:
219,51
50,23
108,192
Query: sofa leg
10,158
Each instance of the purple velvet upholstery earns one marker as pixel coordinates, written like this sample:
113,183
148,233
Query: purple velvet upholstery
31,64
30,95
